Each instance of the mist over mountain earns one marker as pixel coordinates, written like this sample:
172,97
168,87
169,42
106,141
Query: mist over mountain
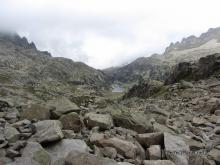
157,110
157,66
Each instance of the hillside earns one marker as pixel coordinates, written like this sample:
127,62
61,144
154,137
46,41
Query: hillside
157,67
24,69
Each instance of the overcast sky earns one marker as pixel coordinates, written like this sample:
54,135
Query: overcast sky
105,33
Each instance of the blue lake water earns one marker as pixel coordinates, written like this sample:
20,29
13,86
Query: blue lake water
117,89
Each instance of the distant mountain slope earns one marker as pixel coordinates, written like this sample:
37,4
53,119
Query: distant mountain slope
23,66
157,67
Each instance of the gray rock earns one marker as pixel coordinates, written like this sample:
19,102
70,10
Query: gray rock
71,121
176,149
154,152
109,152
158,162
79,158
214,154
61,149
35,111
69,134
149,139
62,106
33,154
48,131
123,147
11,134
217,112
103,121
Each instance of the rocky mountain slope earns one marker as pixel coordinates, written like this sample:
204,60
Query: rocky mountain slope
157,67
24,70
54,111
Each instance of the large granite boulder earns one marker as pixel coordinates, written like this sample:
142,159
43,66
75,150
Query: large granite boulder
176,149
35,111
103,121
148,139
136,121
33,154
62,148
123,147
61,106
71,121
158,162
48,131
80,158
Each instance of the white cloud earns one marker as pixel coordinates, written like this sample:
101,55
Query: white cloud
104,33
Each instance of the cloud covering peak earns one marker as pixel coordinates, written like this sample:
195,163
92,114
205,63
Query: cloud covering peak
105,33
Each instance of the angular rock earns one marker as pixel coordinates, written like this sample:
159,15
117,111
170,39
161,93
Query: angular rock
71,121
62,105
199,121
33,154
148,139
69,134
48,131
217,112
103,121
61,149
109,152
96,137
135,121
158,162
35,111
123,147
154,152
176,149
11,134
79,158
214,154
124,163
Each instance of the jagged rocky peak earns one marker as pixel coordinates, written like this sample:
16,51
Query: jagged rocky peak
16,39
193,41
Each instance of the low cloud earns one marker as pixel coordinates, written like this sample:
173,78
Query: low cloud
107,33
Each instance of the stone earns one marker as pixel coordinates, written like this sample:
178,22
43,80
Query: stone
124,163
199,121
158,162
71,121
79,158
109,152
148,139
11,153
123,147
48,131
69,134
33,154
217,113
96,137
125,132
61,149
61,106
151,108
154,152
103,121
135,121
176,149
11,134
214,154
35,112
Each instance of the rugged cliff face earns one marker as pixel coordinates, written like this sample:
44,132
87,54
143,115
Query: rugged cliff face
157,67
24,67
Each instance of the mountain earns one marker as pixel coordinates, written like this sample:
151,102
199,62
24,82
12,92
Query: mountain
54,111
24,67
157,67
